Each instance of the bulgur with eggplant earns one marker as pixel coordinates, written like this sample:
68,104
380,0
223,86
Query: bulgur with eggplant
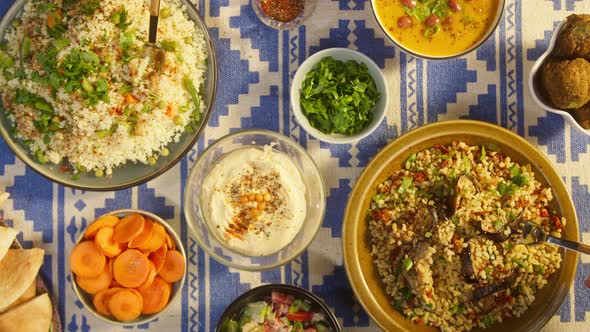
443,239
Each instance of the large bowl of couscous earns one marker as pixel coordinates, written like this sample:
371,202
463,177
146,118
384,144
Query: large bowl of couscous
428,240
82,103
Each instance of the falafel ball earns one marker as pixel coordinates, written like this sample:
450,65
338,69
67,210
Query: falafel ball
574,39
567,82
582,116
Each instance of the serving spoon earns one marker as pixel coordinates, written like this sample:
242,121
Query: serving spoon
533,234
151,50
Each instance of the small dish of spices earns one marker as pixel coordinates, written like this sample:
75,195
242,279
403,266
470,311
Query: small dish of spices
283,14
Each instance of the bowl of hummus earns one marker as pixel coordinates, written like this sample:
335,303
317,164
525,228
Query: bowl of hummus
254,200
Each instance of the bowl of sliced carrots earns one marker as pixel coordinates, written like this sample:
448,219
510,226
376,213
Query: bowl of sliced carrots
127,267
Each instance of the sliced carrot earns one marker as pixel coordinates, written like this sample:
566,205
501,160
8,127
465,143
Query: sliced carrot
170,242
156,296
106,221
173,268
101,300
131,99
104,240
126,305
129,227
151,276
157,239
97,284
131,268
158,257
87,260
115,284
144,236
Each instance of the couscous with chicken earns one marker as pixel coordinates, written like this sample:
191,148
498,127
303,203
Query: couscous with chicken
81,93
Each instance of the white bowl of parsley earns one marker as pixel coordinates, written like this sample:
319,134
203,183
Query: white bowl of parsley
339,95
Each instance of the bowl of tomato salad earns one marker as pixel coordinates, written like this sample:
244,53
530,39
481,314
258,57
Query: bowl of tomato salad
278,308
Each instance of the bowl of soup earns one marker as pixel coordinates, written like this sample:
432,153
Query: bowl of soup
438,29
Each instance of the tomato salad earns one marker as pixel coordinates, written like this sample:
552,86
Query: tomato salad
280,312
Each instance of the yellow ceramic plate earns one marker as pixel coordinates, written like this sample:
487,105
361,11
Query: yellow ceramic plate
360,269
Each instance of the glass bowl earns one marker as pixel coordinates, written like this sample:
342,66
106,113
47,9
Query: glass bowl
315,199
129,174
308,7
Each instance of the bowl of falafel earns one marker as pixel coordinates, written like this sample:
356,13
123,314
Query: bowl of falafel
560,79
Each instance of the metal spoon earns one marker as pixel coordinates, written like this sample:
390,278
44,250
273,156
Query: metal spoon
533,234
151,50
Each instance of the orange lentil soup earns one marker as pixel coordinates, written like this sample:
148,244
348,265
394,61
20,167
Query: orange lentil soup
436,28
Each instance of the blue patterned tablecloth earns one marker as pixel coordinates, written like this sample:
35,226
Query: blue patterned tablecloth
256,65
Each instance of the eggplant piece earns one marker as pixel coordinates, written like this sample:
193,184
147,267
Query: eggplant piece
486,305
487,290
501,235
463,182
425,219
414,279
467,271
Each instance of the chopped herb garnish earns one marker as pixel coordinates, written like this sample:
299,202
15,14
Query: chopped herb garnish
378,197
431,31
428,235
488,321
120,19
169,45
406,293
405,185
483,153
338,97
539,269
411,159
506,189
88,7
519,262
423,9
407,263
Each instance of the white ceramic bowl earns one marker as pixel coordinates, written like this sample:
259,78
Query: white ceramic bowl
342,54
536,88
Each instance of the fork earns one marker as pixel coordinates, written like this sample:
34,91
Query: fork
533,234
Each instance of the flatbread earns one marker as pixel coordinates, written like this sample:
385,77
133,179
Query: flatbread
32,316
18,270
7,236
28,294
3,197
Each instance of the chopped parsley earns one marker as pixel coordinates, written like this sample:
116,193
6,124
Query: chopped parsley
488,321
378,197
407,263
425,8
411,160
405,185
338,97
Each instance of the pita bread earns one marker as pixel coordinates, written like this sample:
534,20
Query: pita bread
28,294
18,270
3,197
7,236
32,316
